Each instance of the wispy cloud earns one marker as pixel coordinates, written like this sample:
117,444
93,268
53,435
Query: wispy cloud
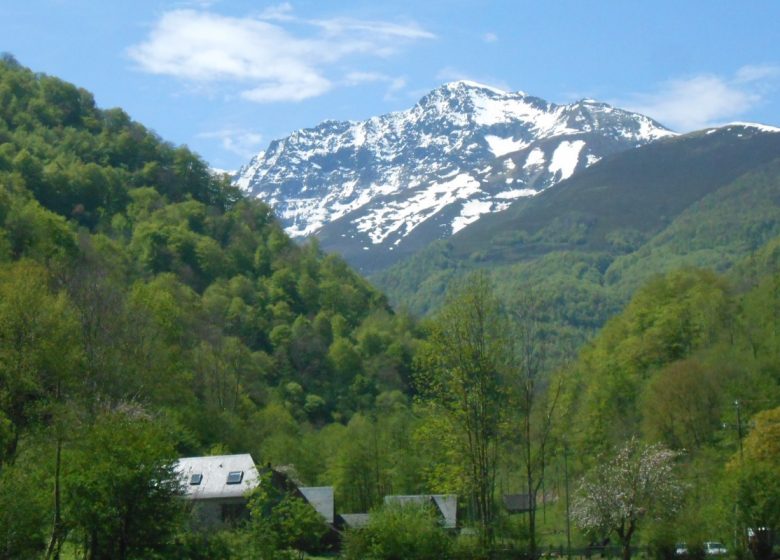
490,37
394,83
244,143
696,102
269,57
280,12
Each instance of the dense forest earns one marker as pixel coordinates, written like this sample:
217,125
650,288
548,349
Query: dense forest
149,311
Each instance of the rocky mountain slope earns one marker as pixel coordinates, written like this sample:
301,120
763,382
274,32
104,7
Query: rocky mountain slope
378,189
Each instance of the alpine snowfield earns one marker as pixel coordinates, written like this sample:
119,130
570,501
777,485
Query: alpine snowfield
376,189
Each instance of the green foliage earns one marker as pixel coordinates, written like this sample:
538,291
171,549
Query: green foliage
282,525
122,489
462,371
25,511
754,473
666,321
399,532
38,348
689,359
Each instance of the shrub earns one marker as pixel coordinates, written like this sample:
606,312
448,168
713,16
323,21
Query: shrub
399,532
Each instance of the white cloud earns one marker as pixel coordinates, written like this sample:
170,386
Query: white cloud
244,143
280,12
261,58
490,37
339,26
757,72
697,102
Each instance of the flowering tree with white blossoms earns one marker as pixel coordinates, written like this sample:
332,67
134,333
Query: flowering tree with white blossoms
637,483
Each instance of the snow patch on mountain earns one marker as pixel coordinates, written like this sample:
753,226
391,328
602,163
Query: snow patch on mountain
516,193
470,213
759,126
535,158
565,158
503,146
412,211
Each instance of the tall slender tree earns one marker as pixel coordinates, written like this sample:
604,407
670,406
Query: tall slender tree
462,373
536,400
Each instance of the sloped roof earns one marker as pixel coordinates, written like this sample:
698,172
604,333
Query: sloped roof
321,499
446,504
355,520
215,471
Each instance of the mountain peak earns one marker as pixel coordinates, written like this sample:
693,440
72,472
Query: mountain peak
378,188
471,85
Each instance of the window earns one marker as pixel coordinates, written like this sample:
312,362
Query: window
235,477
196,479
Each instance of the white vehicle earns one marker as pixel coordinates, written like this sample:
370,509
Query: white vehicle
713,548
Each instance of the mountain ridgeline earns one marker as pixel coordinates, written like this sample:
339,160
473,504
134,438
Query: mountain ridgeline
379,189
706,199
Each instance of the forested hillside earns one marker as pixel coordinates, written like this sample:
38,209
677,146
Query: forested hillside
135,284
692,362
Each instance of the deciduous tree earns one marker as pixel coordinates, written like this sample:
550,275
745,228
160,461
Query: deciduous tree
462,373
637,483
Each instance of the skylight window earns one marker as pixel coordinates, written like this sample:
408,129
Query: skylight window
235,477
196,479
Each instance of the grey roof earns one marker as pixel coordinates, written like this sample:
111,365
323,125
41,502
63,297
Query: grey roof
447,504
356,520
215,471
516,503
321,498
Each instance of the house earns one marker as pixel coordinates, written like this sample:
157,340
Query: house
446,506
217,486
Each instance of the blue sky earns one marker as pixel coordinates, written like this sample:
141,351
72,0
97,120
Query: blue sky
226,77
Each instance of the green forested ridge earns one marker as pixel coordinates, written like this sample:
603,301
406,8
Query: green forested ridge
704,199
149,311
135,287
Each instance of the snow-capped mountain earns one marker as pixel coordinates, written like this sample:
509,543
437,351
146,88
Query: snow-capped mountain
378,188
